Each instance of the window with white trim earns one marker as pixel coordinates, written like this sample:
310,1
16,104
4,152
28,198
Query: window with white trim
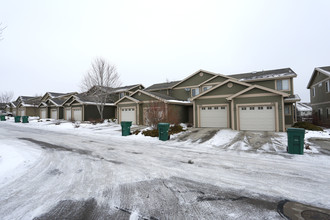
121,95
327,86
194,92
282,84
313,91
287,110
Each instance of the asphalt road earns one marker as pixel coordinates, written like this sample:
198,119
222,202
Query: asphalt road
86,177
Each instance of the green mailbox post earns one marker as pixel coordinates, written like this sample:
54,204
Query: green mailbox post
126,128
3,118
296,140
17,119
25,119
163,131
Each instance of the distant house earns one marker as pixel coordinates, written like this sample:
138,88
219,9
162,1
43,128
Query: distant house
84,106
319,87
51,105
304,112
3,106
28,105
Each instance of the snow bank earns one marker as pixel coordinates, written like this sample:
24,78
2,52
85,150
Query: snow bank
222,137
15,158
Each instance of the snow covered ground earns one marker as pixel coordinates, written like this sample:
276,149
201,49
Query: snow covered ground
45,165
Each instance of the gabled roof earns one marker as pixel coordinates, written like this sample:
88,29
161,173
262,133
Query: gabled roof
32,102
111,90
325,70
257,87
83,98
13,104
161,86
221,84
265,75
23,98
204,71
162,97
127,97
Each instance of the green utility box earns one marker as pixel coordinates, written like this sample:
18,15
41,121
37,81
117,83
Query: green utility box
3,118
296,140
25,119
126,128
163,131
17,119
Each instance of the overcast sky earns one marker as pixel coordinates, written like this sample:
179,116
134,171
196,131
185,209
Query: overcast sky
49,45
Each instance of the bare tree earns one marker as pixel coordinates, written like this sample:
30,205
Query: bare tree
102,77
6,97
158,111
1,30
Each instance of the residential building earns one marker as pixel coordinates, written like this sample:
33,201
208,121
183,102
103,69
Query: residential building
319,87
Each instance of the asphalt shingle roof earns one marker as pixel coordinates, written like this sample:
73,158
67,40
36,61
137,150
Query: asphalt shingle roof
160,86
163,96
265,74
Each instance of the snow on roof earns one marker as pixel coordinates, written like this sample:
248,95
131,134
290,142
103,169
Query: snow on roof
303,107
268,74
294,97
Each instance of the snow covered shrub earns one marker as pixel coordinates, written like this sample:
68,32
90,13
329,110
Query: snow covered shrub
136,132
150,133
190,162
175,129
57,123
76,124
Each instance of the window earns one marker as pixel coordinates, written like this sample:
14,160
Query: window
327,86
223,107
243,108
260,108
121,95
209,108
282,84
313,91
269,107
194,92
287,110
203,108
216,108
251,108
206,88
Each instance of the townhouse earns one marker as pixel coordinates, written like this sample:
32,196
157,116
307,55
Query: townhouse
319,87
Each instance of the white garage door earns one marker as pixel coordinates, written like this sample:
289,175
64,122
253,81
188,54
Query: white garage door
257,118
213,117
43,113
128,114
53,114
22,112
77,114
68,114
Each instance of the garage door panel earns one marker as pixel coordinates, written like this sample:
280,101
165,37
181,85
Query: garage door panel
68,114
77,114
128,114
53,113
43,113
257,118
214,117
